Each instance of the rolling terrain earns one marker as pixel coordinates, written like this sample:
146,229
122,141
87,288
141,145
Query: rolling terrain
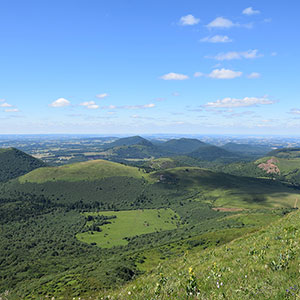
78,229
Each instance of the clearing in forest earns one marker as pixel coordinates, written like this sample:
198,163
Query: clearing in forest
129,223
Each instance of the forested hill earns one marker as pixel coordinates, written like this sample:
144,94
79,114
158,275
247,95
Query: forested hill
181,146
14,163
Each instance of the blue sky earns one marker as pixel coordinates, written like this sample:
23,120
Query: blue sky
149,66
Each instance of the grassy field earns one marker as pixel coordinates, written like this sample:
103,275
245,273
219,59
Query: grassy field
128,224
225,190
90,170
262,265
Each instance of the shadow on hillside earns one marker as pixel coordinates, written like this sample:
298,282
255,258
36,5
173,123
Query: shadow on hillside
251,190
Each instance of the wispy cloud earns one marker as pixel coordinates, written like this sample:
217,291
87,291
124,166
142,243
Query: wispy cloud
198,74
295,111
5,104
60,102
221,22
250,54
11,110
216,39
174,76
90,104
254,75
101,96
188,20
224,74
235,102
143,106
250,11
142,117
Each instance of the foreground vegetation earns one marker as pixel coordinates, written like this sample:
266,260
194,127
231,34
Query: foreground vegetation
264,265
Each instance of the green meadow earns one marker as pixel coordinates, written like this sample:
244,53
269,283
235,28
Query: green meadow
128,224
90,170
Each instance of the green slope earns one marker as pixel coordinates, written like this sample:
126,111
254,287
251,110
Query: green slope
263,265
119,185
14,163
220,189
90,170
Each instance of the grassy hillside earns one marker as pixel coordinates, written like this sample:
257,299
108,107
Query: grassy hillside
168,163
263,265
14,163
90,170
105,185
221,189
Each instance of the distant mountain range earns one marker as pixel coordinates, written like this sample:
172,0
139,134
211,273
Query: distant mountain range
139,148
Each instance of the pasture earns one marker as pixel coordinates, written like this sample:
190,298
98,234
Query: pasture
129,223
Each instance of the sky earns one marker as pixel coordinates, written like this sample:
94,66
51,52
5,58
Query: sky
146,67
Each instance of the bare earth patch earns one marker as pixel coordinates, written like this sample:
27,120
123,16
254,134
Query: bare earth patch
270,166
227,209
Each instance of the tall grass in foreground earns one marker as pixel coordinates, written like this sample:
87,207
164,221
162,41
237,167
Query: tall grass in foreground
263,265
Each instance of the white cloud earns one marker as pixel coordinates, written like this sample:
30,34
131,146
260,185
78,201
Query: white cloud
175,94
250,54
198,74
274,54
254,75
2,100
60,102
12,110
90,105
221,22
224,74
234,102
5,104
101,96
143,106
188,20
174,76
149,105
217,39
250,11
295,111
